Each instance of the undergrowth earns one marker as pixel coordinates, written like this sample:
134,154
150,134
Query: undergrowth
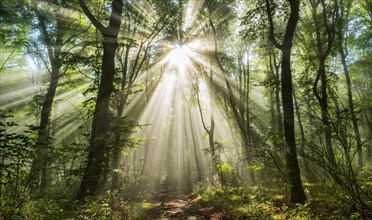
256,203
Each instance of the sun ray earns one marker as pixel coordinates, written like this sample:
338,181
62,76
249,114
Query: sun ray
176,149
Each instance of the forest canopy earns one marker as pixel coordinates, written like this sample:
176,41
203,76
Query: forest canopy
186,109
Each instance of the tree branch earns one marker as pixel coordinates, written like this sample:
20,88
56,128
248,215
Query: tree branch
271,31
91,17
48,41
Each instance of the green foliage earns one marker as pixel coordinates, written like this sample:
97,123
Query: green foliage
121,129
16,153
250,203
111,206
365,179
33,107
225,167
45,208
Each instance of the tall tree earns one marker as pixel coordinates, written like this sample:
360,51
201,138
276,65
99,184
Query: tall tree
324,25
297,192
215,9
54,39
342,25
211,131
100,125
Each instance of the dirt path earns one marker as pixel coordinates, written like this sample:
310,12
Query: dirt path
183,208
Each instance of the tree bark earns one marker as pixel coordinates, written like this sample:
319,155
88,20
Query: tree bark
275,71
196,148
323,102
297,193
351,102
368,117
322,54
100,126
120,111
38,174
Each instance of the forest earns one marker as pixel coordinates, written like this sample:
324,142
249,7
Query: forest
185,109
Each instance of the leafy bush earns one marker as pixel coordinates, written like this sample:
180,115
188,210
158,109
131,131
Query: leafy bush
16,153
111,206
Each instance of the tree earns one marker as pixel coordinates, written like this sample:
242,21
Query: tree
54,40
342,25
324,47
132,55
297,192
13,33
100,125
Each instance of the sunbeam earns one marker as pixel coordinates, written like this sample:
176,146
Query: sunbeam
185,109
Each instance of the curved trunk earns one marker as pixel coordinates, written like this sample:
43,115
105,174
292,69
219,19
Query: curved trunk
323,103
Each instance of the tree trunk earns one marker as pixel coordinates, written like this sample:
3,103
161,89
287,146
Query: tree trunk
275,71
323,102
368,117
351,104
215,158
120,111
198,160
296,190
322,54
100,125
38,173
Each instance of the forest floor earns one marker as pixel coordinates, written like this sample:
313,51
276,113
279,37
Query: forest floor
171,206
235,203
183,208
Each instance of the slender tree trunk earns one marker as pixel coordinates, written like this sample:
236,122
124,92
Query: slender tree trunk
368,117
210,132
215,157
120,111
38,177
244,111
275,71
351,105
297,192
232,101
323,50
198,160
38,173
323,102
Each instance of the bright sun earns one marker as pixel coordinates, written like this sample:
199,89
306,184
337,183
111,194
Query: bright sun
179,57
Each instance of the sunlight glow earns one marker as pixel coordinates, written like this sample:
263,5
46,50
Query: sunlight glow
179,58
177,100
